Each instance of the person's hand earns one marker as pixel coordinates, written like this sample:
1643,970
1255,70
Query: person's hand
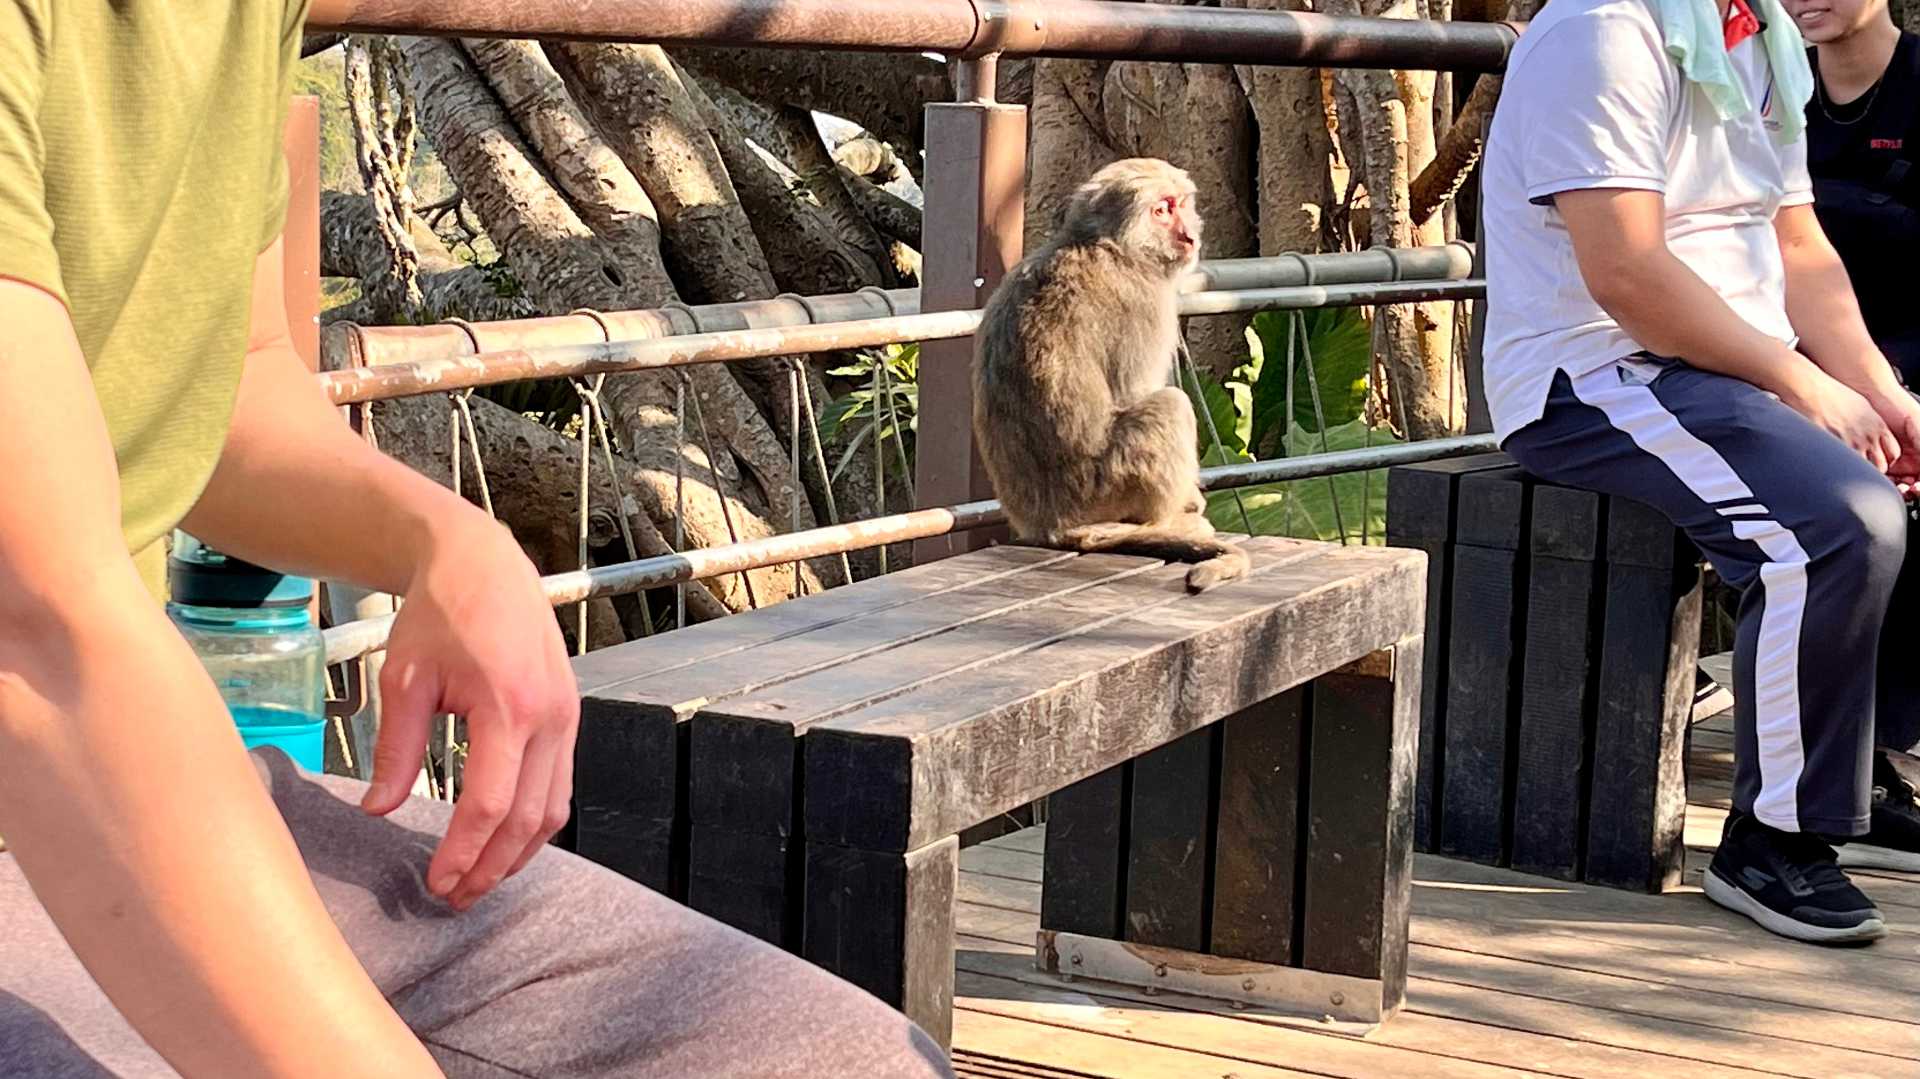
476,637
1901,411
1845,414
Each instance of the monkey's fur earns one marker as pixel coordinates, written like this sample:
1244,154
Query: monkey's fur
1088,446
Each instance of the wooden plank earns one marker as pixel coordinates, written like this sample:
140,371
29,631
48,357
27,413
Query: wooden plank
1442,1024
1086,856
1170,842
1358,868
1649,648
745,760
1056,1047
1421,504
1000,861
1486,638
629,796
1032,840
1653,933
652,852
931,762
1747,1035
1639,535
1004,985
1492,509
884,921
1601,950
746,880
707,642
1016,896
1256,854
1557,692
1421,497
1691,1049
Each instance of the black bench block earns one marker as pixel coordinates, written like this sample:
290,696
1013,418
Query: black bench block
1563,636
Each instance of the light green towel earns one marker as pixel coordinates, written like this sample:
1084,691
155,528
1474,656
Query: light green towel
1696,39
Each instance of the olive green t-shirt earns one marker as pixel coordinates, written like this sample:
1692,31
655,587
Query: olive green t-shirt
140,177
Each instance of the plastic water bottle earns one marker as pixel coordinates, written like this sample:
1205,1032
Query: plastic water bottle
251,629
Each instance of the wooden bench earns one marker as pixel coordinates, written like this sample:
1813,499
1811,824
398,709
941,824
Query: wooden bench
802,772
1562,638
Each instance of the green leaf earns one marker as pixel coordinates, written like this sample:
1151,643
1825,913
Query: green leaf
1341,345
852,448
1305,509
1223,405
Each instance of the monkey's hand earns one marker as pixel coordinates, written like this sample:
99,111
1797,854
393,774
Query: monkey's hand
1198,503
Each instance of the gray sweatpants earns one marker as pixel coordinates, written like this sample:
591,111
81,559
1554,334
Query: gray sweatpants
566,970
1813,537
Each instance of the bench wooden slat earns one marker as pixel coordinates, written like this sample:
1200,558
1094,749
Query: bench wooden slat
746,881
1422,505
1557,693
1170,843
1086,854
1646,696
708,642
1484,631
884,922
745,764
1256,851
630,796
1359,839
968,747
631,758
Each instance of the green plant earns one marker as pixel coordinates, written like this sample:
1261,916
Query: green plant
1251,413
883,406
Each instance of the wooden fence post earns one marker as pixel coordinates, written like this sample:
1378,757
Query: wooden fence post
975,214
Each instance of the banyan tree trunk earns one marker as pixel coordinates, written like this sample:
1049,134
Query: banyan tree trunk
565,263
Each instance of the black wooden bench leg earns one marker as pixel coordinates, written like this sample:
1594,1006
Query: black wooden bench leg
1086,856
1257,837
1359,865
1170,841
883,920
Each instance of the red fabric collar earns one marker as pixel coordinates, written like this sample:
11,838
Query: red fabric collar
1742,23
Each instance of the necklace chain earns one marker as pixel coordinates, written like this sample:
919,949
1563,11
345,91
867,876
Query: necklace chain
1865,101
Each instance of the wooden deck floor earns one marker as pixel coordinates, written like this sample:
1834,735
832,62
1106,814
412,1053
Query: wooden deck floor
1511,975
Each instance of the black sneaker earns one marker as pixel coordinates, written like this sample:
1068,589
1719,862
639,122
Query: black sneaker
1893,834
1788,882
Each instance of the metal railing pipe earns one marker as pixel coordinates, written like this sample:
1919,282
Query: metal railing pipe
356,639
557,361
1091,29
348,345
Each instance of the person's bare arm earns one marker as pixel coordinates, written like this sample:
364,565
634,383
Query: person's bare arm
125,792
296,489
1826,315
1619,240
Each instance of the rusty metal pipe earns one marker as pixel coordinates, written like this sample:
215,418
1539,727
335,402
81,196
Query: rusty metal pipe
356,639
1091,29
346,345
557,361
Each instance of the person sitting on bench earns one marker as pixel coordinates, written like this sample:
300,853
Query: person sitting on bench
1863,152
1667,322
171,905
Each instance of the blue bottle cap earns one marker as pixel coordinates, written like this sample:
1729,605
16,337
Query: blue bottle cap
199,576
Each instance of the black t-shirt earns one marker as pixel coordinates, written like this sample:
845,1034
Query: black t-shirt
1864,157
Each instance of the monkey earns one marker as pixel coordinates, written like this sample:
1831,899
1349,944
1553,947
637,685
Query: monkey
1086,442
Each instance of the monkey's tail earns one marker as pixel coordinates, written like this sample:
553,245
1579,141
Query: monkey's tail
1215,561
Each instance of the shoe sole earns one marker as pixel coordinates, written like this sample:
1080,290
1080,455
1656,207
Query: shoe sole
1865,856
1732,898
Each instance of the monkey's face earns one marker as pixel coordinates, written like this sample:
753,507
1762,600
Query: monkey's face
1172,231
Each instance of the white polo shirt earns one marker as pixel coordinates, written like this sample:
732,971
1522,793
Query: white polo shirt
1592,100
